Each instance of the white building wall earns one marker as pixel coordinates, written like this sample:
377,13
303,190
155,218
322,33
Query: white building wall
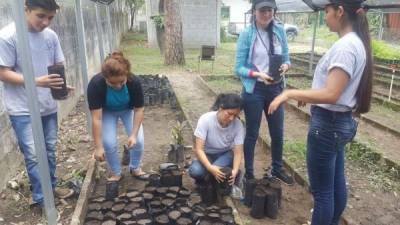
201,22
237,9
151,10
140,18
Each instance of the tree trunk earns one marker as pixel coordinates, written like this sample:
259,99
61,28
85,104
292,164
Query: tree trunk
161,7
173,34
160,32
132,10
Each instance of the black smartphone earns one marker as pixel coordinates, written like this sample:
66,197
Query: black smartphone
275,62
58,94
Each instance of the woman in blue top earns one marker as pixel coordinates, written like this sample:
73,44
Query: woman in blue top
259,46
112,95
342,85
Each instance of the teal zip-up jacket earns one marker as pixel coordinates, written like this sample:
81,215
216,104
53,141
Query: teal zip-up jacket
244,53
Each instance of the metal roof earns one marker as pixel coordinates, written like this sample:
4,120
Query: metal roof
313,5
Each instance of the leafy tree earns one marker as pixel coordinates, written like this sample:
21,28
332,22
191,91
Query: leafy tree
134,6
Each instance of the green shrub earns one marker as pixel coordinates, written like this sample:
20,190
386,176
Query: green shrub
225,37
158,20
382,51
222,34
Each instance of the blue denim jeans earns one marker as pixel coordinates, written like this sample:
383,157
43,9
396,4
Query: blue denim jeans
198,171
110,141
254,105
328,134
23,130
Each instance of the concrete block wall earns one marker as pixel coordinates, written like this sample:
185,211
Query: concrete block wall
65,26
201,22
9,154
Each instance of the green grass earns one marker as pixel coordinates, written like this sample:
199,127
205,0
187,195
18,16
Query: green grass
380,49
380,174
383,51
131,36
301,83
324,37
225,85
295,153
385,111
146,60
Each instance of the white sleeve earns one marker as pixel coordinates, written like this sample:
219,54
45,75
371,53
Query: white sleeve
58,53
201,129
239,137
343,59
8,53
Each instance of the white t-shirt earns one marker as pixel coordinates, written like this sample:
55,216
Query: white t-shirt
261,53
46,50
348,54
219,139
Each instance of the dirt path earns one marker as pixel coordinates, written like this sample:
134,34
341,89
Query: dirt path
195,99
367,203
157,125
73,151
378,139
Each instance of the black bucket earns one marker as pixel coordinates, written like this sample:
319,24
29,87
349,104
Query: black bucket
112,190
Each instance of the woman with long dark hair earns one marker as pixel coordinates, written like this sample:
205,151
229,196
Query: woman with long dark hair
219,140
262,53
342,86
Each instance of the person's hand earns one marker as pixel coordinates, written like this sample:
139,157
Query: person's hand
99,154
218,175
132,141
232,178
51,81
265,77
301,104
277,102
284,68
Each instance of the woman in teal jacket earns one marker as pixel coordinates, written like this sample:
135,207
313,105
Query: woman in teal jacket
260,46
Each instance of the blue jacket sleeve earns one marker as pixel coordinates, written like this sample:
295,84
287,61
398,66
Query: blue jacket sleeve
242,53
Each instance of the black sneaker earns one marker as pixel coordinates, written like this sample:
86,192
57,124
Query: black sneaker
284,177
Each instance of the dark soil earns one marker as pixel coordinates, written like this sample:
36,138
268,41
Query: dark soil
75,148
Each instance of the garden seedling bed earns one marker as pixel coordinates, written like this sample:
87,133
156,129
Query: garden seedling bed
383,114
296,201
382,78
383,69
133,202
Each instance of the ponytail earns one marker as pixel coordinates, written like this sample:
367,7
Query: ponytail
364,91
359,22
